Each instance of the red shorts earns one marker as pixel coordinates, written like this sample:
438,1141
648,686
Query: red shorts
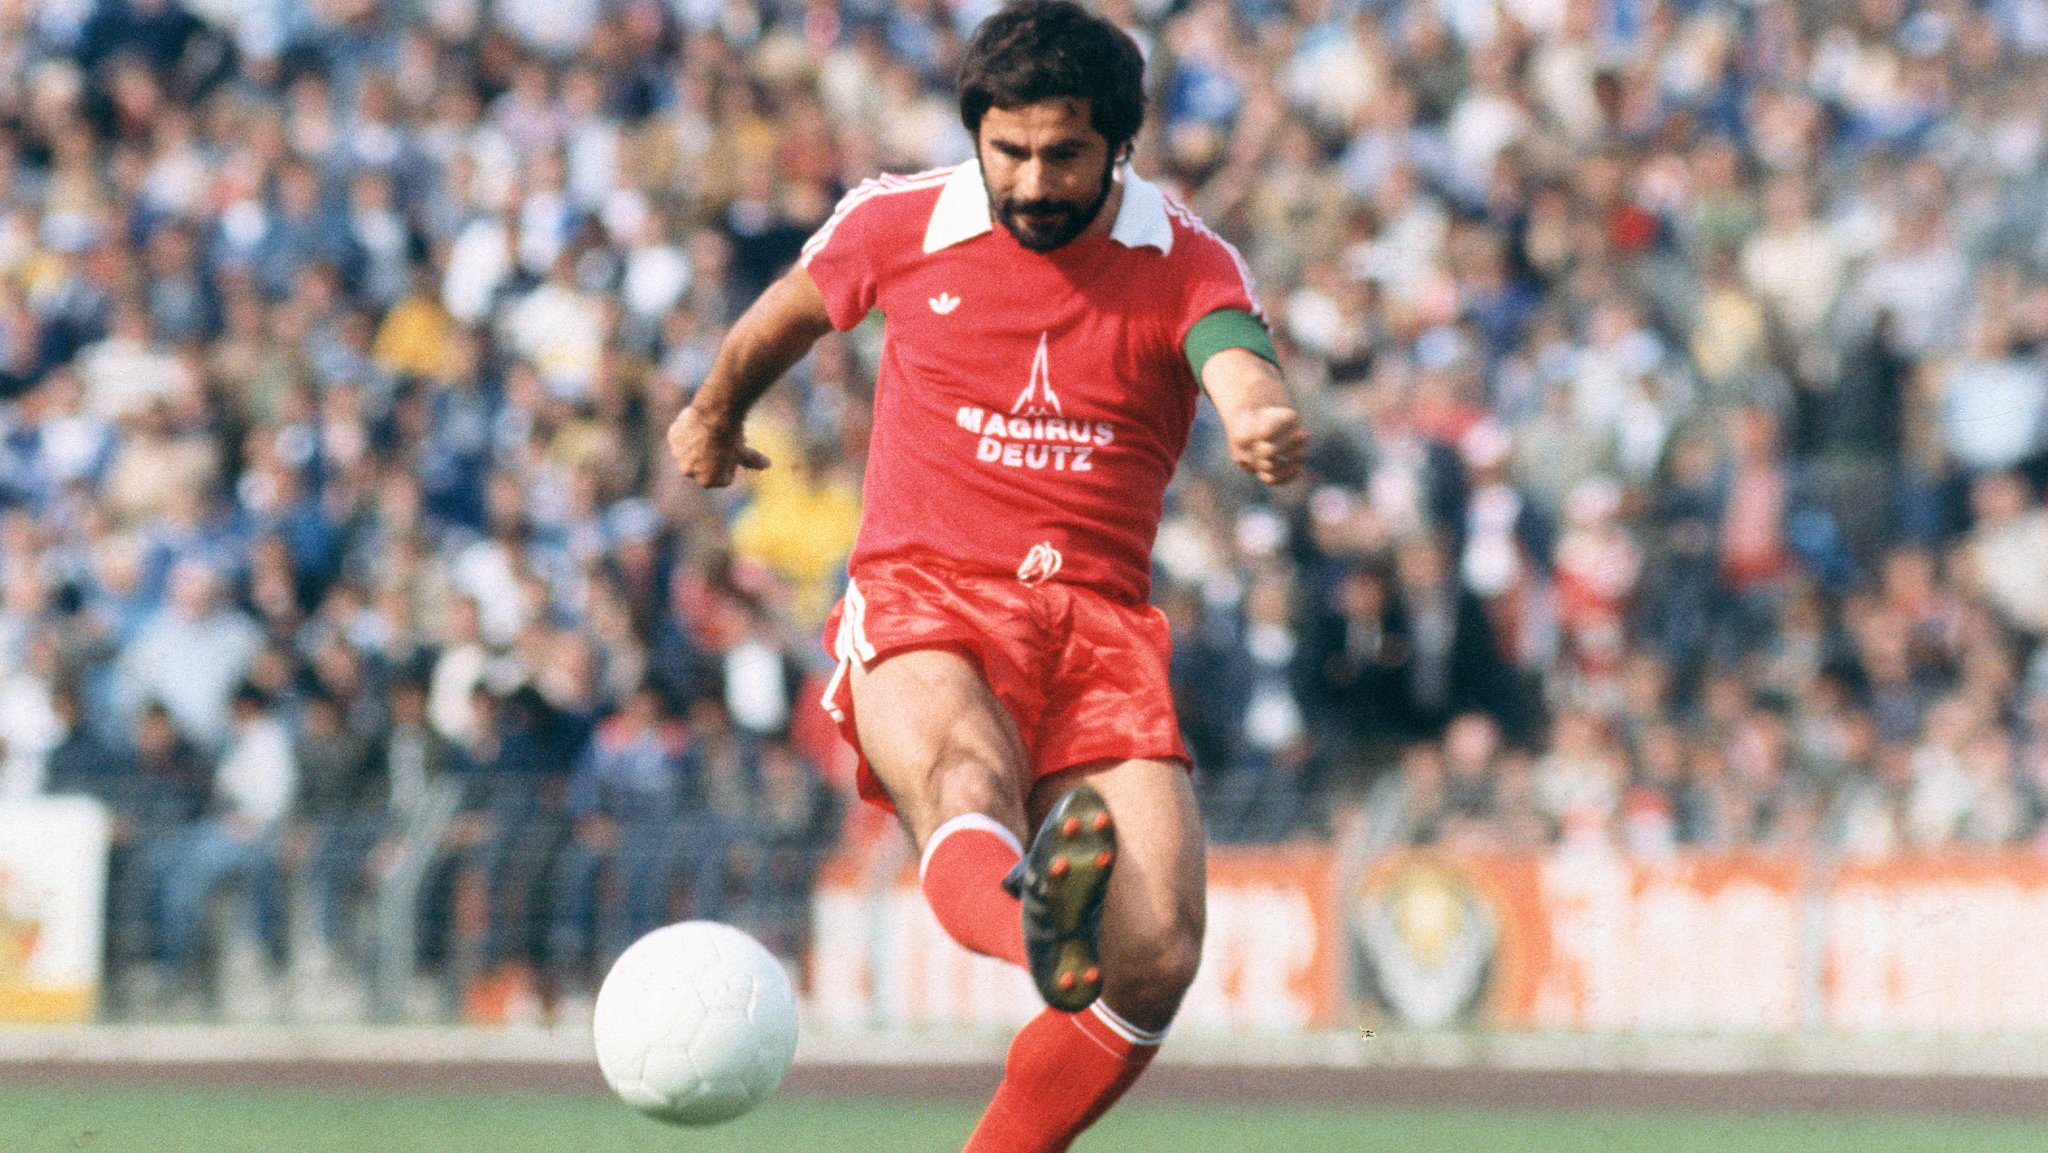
1084,677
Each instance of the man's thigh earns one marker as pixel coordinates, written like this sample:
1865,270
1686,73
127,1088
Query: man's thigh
1154,911
938,740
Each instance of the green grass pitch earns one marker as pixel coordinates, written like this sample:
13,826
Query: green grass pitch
150,1120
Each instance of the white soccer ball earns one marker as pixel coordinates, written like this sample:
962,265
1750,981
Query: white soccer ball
695,1024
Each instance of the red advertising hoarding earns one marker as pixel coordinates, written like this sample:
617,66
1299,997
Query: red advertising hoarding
1587,939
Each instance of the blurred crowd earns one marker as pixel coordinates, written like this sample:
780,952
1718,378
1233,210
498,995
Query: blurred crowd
1675,369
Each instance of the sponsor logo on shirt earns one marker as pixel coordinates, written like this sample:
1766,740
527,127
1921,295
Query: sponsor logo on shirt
944,303
1036,434
1041,564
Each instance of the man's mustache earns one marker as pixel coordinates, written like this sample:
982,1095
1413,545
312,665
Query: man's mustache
1041,207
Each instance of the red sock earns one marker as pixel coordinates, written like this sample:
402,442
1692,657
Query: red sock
964,864
1065,1070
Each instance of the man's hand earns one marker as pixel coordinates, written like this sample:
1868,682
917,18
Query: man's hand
711,451
1268,442
708,438
1265,433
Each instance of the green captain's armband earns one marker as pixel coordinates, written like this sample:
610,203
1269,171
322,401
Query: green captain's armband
1227,328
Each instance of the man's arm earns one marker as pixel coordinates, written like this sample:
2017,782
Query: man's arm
708,436
1265,434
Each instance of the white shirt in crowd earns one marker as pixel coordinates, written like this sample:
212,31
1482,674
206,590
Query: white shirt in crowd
260,772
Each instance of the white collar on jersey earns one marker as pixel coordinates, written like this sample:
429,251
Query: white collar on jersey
962,212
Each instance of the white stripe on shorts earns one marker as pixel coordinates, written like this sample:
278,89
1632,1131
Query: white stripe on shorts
849,645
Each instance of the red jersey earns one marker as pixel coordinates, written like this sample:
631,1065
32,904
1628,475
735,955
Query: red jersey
1031,406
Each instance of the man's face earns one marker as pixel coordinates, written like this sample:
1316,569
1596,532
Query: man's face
1047,170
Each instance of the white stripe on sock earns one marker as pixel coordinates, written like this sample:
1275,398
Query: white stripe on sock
1115,1022
966,821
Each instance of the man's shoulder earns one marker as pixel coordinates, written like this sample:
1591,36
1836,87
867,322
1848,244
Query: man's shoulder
1193,239
892,191
1202,259
889,202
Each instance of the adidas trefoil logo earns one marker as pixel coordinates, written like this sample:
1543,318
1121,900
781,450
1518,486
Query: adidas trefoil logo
944,303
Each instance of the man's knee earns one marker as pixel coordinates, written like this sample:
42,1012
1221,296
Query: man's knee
962,774
1157,970
1174,959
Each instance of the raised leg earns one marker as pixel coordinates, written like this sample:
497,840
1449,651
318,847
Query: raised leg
949,755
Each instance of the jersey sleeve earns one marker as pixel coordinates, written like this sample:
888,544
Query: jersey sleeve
838,257
1212,275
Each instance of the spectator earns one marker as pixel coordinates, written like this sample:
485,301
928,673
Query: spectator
759,676
1471,761
30,725
1353,669
338,818
1409,806
129,370
1579,781
237,840
171,786
1453,664
418,762
438,829
1755,555
802,527
796,821
1262,795
191,654
2011,531
1795,263
716,830
525,753
624,801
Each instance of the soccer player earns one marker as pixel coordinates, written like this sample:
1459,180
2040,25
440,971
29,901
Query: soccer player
1051,321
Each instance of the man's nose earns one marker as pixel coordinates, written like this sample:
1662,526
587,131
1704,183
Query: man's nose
1030,180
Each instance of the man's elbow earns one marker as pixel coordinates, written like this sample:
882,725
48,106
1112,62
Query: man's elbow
800,305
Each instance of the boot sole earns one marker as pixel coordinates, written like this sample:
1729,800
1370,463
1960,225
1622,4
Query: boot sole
1069,866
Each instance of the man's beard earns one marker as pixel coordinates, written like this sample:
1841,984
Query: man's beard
1067,219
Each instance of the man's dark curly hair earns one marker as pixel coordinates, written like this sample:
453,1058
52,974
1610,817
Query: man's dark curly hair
1035,50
